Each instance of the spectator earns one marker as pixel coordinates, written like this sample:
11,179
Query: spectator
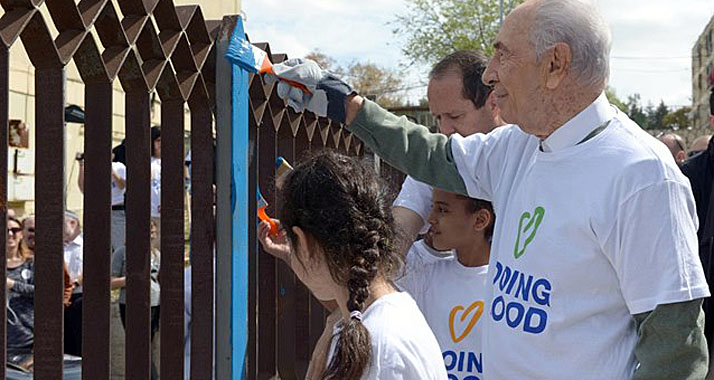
73,258
156,180
28,249
579,187
675,144
699,145
700,171
119,282
118,219
20,283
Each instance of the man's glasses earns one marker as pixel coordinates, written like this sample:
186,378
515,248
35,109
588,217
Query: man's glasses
30,230
14,230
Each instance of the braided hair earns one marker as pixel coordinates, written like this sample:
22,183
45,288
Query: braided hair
345,207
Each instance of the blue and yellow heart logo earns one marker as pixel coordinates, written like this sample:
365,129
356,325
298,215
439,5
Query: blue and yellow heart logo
475,310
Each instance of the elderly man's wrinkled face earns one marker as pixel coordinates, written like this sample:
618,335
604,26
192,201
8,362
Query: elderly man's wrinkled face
516,77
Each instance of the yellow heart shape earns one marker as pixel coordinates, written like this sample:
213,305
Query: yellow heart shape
478,305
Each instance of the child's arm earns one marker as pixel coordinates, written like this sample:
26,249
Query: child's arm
118,282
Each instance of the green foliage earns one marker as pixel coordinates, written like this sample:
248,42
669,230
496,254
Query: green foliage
383,84
634,110
678,119
614,100
656,117
435,28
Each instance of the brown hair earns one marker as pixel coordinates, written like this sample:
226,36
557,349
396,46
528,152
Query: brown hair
345,207
474,205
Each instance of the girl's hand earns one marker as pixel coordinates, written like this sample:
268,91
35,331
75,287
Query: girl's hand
277,246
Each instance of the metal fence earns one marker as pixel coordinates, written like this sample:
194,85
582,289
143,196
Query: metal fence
152,45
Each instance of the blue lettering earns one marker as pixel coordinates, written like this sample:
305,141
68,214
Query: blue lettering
453,377
542,297
452,355
512,320
524,287
472,377
461,361
513,281
498,315
505,278
528,324
474,361
499,269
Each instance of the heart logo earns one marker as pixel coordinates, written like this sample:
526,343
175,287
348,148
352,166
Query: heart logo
476,307
527,228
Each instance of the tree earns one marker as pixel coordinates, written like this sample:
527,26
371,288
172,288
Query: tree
435,28
633,109
655,116
678,119
614,100
367,78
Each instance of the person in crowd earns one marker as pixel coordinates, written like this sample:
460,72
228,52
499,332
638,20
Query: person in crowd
20,284
573,181
118,219
452,292
675,144
27,248
118,281
337,220
156,180
461,103
700,171
73,258
699,145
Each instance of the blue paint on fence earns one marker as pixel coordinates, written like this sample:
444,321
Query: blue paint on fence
239,324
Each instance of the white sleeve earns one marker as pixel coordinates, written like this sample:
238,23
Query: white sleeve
416,274
416,196
121,171
482,158
653,247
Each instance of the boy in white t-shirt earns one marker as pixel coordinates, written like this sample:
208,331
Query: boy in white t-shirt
451,292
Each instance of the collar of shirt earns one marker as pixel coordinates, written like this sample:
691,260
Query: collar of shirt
77,242
577,128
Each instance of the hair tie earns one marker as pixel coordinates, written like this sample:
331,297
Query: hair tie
356,315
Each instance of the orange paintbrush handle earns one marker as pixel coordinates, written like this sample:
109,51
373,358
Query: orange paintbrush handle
264,216
268,68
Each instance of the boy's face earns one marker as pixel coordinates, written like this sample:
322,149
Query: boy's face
452,226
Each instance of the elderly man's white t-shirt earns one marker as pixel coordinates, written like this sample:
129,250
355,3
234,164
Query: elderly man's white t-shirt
587,235
452,298
403,346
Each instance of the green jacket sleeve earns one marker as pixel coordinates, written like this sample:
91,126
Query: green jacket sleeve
671,342
408,147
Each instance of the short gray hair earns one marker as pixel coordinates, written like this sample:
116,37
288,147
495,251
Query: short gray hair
579,24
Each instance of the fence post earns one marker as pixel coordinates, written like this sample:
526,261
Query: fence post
235,204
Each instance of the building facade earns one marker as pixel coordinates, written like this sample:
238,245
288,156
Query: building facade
702,65
21,179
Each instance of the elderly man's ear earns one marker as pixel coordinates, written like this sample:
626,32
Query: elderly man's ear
556,64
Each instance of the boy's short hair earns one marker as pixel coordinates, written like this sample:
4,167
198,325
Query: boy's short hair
474,205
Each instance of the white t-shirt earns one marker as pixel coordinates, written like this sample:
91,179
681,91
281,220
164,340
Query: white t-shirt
420,255
416,196
403,346
452,298
117,193
155,187
587,235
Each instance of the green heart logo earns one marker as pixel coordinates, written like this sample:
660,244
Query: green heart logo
531,227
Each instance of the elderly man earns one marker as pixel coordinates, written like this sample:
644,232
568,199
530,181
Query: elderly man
675,144
588,279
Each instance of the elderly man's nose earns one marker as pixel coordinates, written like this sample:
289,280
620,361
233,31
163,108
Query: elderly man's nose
489,76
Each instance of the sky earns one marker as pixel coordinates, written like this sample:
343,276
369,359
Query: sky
651,52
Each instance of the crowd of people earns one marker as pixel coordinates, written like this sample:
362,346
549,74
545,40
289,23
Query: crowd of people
567,244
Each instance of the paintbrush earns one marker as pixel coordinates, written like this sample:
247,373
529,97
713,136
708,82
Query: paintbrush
282,169
254,59
262,205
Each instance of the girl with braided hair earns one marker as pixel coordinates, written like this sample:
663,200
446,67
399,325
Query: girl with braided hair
337,222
